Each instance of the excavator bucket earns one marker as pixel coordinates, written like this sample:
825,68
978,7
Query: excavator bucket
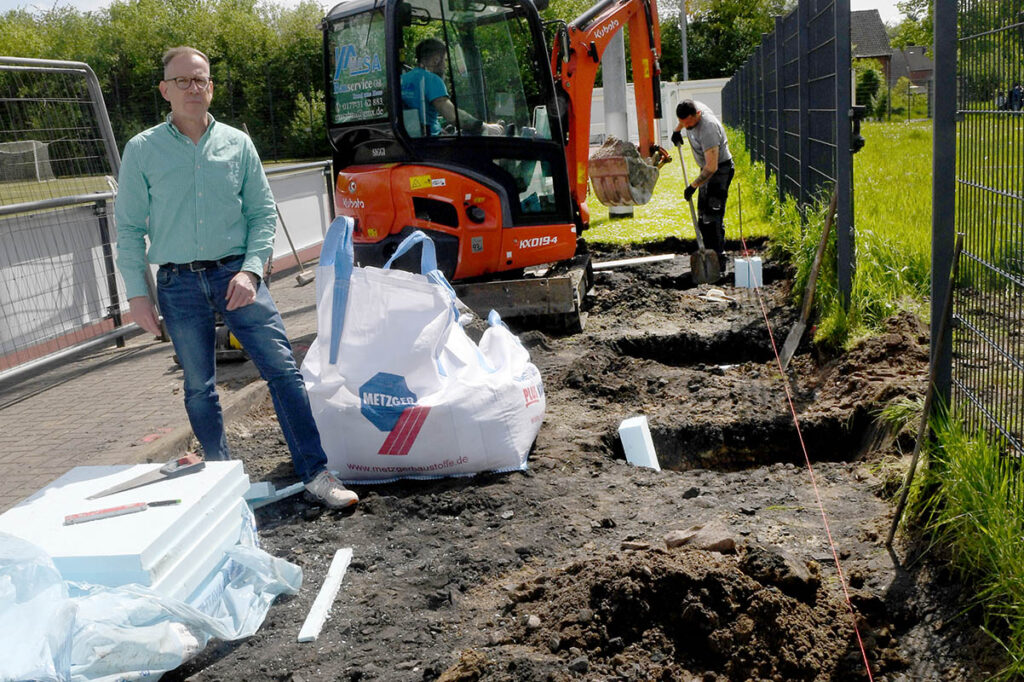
620,176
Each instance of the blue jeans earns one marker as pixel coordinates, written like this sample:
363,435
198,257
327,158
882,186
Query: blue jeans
189,301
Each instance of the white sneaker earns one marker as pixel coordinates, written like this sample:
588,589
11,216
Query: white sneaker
330,492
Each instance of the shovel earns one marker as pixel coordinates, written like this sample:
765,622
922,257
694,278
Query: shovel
704,265
797,332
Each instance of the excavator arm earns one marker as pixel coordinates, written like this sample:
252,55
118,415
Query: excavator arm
575,59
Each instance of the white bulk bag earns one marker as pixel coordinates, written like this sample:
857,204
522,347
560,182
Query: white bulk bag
397,387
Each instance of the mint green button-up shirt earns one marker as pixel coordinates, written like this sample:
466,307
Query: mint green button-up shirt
191,201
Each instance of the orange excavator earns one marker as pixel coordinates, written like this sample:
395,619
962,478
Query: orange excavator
454,118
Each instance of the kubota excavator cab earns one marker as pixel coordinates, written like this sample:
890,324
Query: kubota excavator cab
488,181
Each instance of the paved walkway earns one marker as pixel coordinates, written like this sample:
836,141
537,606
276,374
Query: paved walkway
122,405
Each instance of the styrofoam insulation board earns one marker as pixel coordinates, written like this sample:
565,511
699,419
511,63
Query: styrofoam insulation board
182,578
122,549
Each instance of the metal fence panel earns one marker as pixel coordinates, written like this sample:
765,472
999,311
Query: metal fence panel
987,358
792,101
58,161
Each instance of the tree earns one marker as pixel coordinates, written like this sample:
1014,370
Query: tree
263,59
723,33
671,50
880,106
917,27
868,82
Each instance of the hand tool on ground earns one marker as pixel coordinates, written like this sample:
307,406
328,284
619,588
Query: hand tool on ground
704,265
922,431
797,332
182,466
121,510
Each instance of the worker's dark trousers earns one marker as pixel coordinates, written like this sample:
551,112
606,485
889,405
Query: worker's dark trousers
711,198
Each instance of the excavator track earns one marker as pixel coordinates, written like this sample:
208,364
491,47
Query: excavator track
553,293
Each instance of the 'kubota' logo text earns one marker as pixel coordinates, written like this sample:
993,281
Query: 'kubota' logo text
607,28
534,242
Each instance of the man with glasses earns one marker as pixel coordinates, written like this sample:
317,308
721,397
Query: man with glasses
196,189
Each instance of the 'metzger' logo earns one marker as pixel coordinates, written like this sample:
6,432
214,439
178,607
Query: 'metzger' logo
386,401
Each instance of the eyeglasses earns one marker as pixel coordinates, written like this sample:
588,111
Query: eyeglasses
184,82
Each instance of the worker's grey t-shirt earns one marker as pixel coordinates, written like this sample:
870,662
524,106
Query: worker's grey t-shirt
708,133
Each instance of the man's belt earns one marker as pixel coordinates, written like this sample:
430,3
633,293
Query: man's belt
199,265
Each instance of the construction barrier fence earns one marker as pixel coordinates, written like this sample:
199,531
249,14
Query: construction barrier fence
58,169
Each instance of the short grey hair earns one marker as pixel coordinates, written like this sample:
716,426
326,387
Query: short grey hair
170,54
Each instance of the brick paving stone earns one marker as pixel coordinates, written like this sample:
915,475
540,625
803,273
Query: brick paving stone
112,399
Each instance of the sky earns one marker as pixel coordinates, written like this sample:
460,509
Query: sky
887,8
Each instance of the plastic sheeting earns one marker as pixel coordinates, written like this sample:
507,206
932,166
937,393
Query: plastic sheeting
53,630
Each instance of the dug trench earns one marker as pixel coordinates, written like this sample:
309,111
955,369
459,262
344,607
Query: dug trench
584,567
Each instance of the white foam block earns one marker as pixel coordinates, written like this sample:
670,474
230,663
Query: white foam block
747,272
131,548
190,569
328,591
637,443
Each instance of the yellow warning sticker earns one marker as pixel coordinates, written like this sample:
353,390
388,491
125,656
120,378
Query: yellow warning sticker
371,232
419,182
581,176
647,68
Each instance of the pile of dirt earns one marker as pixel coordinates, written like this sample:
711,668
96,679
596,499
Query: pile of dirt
574,570
652,615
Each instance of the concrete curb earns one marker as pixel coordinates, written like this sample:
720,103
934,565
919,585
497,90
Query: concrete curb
174,443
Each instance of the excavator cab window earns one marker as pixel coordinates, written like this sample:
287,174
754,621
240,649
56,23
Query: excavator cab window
356,59
462,84
457,75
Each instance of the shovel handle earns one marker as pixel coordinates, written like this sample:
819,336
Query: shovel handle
693,213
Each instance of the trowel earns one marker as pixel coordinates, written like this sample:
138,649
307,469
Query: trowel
704,265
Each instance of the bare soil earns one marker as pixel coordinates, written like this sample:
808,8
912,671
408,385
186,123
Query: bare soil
565,572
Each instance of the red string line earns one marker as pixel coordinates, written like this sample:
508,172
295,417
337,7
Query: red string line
810,469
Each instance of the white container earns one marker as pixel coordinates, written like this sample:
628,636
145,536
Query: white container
636,441
747,272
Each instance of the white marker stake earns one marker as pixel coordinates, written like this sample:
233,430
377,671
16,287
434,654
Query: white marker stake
322,604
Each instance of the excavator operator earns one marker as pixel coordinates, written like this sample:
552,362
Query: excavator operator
424,90
711,152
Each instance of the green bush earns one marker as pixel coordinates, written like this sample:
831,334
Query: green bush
868,83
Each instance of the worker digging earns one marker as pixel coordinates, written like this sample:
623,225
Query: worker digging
710,147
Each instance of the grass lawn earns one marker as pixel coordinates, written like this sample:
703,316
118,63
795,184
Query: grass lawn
20,192
667,215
